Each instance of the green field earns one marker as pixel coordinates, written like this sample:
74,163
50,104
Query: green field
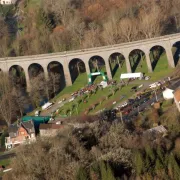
96,98
161,70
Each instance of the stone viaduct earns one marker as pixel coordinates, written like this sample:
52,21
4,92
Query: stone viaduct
64,58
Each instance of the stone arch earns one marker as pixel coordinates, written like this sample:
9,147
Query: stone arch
137,59
17,75
76,67
97,63
56,75
158,58
117,64
34,70
176,52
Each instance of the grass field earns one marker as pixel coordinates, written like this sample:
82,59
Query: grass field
161,70
95,98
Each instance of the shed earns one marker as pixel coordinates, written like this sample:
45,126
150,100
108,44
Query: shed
168,94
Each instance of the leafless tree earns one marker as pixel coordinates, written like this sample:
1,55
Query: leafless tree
150,22
55,82
7,104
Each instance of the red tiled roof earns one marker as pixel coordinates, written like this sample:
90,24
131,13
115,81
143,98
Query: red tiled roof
177,95
50,126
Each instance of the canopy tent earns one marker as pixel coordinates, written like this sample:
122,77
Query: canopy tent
96,74
131,75
168,94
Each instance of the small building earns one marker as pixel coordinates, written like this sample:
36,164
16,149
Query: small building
49,130
177,98
168,94
20,133
7,2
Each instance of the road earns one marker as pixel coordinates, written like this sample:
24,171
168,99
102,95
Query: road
57,105
174,85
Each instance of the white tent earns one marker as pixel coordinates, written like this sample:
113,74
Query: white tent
131,75
168,94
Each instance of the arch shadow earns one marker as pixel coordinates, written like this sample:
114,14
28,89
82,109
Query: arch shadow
76,67
34,70
116,61
156,53
137,60
17,75
56,75
176,52
97,64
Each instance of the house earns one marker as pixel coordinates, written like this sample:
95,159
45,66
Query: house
49,130
7,2
20,133
177,98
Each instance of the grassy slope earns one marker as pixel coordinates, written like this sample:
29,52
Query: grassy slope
161,70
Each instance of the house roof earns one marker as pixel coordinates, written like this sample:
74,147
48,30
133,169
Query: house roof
177,95
50,126
28,125
12,129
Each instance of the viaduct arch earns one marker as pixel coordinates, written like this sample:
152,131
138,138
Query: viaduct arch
64,58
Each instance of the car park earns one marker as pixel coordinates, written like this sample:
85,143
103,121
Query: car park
124,104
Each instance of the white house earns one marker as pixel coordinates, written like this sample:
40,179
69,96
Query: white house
168,94
7,2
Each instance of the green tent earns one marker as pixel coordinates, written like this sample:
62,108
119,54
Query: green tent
37,120
96,74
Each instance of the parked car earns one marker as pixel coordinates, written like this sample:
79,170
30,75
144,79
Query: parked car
124,104
147,78
37,113
72,99
140,86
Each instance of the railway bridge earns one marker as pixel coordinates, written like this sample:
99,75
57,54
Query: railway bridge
105,52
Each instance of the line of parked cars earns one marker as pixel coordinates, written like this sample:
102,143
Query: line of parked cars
131,104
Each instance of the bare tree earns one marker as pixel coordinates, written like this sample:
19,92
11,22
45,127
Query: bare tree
150,23
128,29
19,99
7,105
55,82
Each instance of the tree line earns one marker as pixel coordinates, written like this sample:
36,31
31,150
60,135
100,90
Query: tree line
15,101
50,26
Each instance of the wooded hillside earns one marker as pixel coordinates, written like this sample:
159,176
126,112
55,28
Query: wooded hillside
46,26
